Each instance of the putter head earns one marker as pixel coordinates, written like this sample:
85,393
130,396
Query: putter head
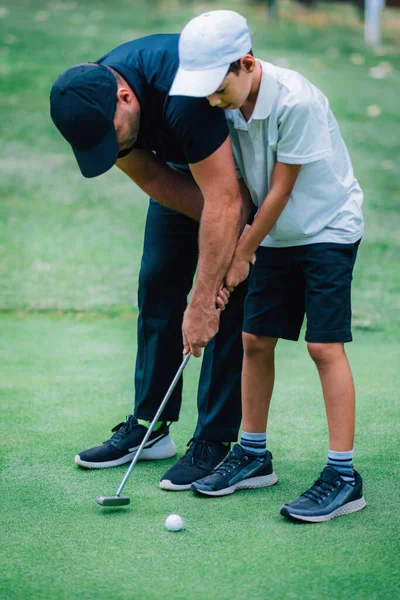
113,500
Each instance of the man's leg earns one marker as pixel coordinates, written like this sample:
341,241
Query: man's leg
166,275
219,394
219,397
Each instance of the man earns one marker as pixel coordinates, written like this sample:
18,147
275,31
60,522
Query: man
117,111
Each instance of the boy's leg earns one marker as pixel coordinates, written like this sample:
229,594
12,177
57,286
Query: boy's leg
328,272
258,377
338,390
249,464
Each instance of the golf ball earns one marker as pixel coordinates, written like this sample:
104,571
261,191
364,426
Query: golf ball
174,523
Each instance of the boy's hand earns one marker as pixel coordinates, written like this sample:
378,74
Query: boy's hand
222,298
238,271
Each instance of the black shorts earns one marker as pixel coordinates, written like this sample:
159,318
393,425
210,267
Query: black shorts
287,283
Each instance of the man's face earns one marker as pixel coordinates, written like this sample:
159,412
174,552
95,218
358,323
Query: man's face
233,91
126,122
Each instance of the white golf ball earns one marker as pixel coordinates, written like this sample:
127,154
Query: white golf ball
174,523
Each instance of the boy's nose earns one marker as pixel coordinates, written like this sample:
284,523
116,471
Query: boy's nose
214,100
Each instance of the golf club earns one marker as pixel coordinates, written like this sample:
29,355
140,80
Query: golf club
119,500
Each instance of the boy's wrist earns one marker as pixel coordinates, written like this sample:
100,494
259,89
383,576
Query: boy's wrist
241,253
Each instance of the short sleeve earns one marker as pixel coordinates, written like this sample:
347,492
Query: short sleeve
303,134
199,128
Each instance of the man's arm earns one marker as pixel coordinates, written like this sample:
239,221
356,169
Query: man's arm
220,226
167,185
282,183
227,205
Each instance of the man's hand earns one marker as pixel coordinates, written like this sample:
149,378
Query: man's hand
200,324
196,334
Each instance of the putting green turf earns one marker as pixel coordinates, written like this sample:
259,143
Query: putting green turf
65,382
69,260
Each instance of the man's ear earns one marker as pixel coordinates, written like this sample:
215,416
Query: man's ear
123,95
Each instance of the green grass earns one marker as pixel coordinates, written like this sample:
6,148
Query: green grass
69,261
64,382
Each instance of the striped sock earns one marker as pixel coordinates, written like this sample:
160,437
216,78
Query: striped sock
254,443
342,462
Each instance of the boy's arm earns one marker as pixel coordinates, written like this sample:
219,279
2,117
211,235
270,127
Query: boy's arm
282,183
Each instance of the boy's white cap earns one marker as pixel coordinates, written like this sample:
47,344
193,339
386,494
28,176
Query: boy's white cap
208,45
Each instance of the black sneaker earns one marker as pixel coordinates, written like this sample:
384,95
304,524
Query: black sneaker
238,471
199,461
329,497
122,446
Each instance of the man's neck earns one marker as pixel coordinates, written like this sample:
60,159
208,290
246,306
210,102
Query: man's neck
248,107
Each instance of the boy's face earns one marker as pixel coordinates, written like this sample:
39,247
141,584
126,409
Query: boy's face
235,88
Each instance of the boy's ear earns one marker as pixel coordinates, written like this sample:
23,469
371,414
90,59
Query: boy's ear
248,63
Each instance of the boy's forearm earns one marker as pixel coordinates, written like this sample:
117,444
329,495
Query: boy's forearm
247,204
266,218
282,183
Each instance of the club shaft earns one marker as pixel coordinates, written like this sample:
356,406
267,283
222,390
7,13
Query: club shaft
154,421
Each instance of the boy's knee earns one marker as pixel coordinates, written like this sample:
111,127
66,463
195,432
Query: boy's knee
323,354
254,344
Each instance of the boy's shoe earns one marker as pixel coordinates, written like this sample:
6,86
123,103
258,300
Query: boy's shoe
329,497
122,446
199,461
238,471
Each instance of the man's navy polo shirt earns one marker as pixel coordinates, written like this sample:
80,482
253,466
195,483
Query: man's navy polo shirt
178,129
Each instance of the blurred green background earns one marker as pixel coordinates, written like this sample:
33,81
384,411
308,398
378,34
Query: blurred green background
69,260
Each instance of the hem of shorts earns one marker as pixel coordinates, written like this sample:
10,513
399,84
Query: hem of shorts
271,332
328,337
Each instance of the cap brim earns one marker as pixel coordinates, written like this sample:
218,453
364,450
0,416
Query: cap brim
99,159
198,84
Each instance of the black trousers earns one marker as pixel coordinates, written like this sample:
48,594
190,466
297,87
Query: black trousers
166,276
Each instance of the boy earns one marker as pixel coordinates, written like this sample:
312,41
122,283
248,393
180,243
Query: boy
289,150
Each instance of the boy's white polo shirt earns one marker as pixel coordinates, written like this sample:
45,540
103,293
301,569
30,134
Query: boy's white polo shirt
293,123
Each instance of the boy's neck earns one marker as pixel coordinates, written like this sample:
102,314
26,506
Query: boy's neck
247,107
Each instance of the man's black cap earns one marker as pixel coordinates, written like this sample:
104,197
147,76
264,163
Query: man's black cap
83,101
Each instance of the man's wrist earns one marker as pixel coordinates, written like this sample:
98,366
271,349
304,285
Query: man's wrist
202,299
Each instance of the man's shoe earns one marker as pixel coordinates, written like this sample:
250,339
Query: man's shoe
122,446
238,471
199,461
329,497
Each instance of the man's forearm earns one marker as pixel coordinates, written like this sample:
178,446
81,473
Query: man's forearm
220,227
167,185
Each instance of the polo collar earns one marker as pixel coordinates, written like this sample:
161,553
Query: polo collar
266,98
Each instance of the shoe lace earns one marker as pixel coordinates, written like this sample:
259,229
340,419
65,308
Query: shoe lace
122,429
321,489
199,450
228,464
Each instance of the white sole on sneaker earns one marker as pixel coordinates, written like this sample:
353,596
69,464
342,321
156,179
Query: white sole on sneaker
166,484
346,509
165,448
251,483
